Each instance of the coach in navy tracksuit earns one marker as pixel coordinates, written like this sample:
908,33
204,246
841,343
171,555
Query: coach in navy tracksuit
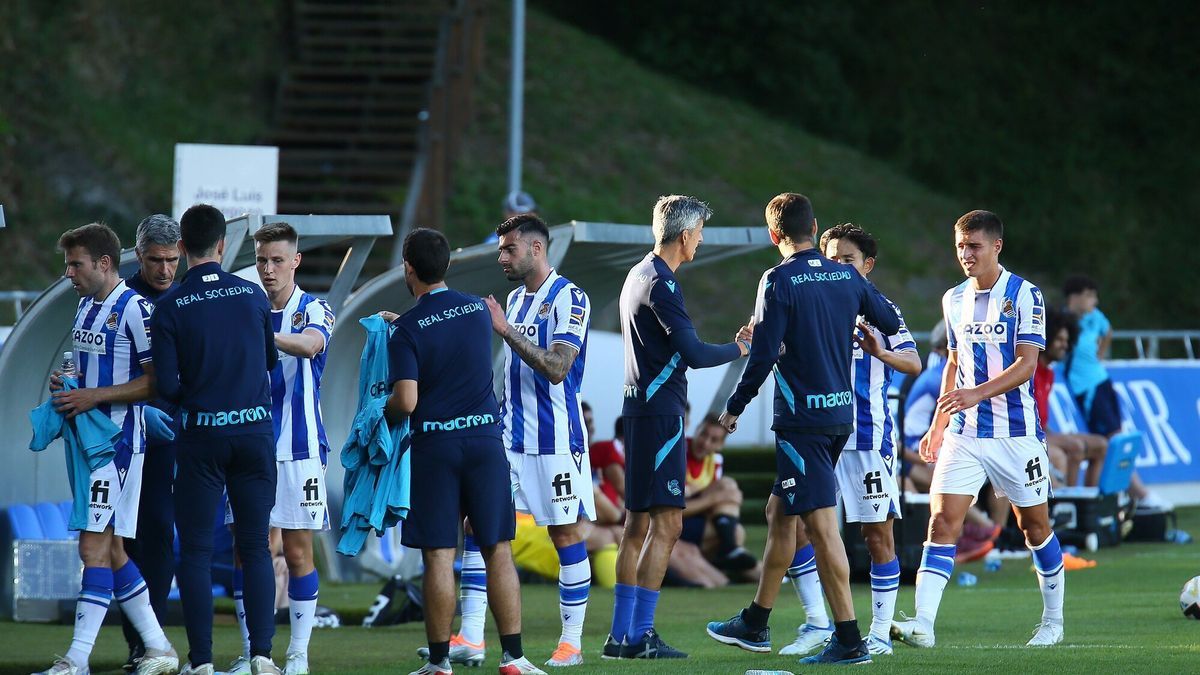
440,374
213,347
157,251
807,308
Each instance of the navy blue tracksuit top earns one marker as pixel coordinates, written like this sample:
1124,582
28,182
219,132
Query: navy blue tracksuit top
215,369
806,311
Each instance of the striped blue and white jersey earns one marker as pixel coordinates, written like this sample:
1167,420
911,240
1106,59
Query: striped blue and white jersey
872,378
296,382
111,340
984,328
541,418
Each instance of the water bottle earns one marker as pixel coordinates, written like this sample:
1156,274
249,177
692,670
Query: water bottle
769,672
68,364
967,579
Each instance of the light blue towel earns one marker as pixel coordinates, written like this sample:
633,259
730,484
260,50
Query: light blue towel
377,478
89,442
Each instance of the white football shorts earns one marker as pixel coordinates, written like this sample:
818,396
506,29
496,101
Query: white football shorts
867,486
113,498
1017,467
300,501
554,489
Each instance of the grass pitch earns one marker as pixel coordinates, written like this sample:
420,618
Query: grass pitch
1121,617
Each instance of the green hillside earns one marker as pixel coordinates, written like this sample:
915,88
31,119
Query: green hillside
95,97
606,136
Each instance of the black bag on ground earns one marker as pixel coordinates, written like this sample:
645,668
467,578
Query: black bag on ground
1151,525
399,601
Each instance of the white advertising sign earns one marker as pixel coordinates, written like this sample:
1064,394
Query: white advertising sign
236,179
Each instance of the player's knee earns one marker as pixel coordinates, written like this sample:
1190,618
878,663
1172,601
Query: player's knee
943,528
563,536
94,555
879,541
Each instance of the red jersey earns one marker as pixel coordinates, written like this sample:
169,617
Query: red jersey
1043,382
603,454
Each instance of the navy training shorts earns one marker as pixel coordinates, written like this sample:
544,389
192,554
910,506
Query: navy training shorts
804,475
457,477
655,462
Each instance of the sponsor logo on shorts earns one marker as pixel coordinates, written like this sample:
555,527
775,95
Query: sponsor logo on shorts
873,482
562,490
631,391
791,497
464,422
673,487
789,483
1033,471
100,492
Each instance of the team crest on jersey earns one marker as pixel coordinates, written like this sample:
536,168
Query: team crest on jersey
111,322
543,311
1009,310
297,319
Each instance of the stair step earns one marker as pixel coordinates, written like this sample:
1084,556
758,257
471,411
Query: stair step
314,172
356,124
335,10
384,72
380,91
338,191
313,139
344,157
324,106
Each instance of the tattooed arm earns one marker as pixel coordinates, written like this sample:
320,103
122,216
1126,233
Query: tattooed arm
553,363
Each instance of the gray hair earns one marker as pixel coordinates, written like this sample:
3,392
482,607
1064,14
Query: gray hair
675,213
157,230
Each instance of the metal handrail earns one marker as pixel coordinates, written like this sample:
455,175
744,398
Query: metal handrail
19,300
1146,343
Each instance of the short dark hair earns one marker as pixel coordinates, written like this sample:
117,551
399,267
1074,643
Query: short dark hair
585,406
1078,284
861,238
981,221
711,419
1058,318
790,216
428,253
524,223
276,232
97,239
200,228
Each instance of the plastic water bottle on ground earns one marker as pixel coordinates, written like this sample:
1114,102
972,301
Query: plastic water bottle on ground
967,579
769,672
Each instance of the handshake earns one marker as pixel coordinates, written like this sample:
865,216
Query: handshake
744,337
